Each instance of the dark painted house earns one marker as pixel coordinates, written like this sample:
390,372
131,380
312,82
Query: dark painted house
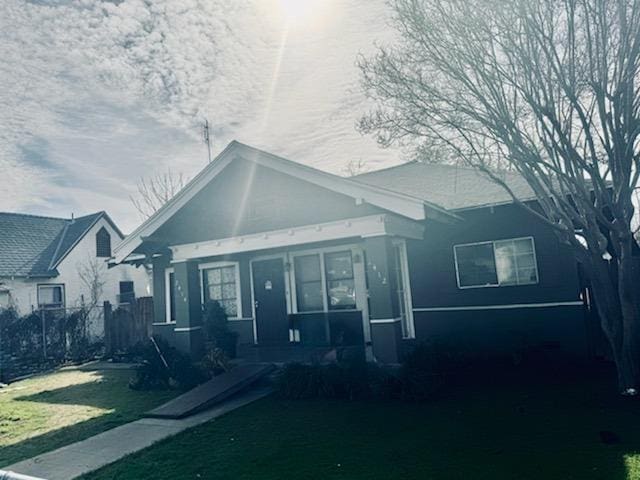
304,261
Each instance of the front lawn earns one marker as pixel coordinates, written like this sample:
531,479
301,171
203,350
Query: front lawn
48,411
535,430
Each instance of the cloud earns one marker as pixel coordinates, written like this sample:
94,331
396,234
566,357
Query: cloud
95,94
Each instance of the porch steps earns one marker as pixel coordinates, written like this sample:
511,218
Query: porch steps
212,392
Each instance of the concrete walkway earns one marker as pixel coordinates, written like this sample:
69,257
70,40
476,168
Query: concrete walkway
88,455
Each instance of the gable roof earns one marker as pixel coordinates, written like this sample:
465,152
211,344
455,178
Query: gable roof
33,246
450,186
392,200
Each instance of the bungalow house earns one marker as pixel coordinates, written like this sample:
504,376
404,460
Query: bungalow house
50,263
303,259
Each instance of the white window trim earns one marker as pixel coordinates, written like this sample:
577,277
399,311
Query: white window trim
64,294
493,243
355,250
167,294
408,293
206,266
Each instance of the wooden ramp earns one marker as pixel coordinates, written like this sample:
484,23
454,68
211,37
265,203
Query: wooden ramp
212,392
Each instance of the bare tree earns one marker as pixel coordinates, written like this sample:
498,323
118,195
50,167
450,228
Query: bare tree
547,89
153,192
92,273
355,167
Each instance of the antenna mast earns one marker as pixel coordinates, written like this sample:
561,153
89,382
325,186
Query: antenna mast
207,138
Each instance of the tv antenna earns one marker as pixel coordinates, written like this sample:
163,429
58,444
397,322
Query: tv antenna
207,138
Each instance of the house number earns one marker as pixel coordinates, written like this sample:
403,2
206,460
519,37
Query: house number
268,285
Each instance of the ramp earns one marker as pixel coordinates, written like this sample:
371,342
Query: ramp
212,392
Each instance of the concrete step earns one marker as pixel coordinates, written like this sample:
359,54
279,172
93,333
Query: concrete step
212,392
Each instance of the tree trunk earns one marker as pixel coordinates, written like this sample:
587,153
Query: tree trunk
614,296
629,368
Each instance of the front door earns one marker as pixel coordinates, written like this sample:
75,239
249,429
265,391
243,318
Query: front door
269,293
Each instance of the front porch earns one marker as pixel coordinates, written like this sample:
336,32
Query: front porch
318,291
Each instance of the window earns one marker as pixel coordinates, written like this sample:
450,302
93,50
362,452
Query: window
324,281
341,291
499,263
127,293
50,296
170,294
308,283
221,283
103,243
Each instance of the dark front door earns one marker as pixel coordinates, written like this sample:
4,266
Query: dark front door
270,303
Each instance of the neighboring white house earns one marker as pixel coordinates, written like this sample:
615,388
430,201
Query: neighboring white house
53,263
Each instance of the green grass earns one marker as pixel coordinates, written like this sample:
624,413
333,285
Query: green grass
535,431
48,411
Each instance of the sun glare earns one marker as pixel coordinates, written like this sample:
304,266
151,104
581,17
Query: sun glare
298,10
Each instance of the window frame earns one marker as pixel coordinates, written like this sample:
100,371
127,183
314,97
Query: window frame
203,267
409,329
495,262
167,293
294,283
325,298
108,238
50,285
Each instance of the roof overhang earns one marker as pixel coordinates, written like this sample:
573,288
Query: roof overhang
404,205
360,227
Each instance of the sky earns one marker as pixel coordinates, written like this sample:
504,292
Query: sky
96,94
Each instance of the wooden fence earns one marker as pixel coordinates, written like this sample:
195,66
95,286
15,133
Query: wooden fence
127,325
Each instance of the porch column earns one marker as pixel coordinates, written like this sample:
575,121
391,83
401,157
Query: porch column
384,312
188,329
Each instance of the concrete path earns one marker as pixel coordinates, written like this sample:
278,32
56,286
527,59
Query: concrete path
88,455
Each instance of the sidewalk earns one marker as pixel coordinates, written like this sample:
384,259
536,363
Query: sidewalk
88,455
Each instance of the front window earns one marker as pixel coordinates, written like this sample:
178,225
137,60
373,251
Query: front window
221,284
50,296
341,291
308,283
499,263
324,281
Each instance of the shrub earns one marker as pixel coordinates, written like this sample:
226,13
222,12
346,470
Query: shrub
421,374
215,361
420,378
153,374
297,381
342,380
216,328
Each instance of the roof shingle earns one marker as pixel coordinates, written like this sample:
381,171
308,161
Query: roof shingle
448,186
32,246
